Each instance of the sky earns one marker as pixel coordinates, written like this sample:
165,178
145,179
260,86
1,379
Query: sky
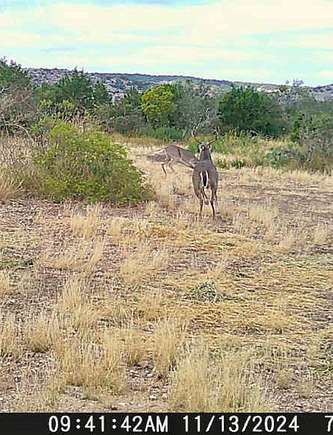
267,41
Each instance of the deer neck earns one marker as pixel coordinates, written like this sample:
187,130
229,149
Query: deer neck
205,155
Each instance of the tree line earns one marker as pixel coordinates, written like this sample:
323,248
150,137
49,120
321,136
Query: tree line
168,111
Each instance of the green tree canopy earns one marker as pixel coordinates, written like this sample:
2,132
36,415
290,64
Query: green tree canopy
124,115
74,94
12,75
159,104
17,102
247,110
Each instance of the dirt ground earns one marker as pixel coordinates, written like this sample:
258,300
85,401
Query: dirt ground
135,309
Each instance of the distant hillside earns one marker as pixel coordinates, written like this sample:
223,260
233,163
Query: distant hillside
118,83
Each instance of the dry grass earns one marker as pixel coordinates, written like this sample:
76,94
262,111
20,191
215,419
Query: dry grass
264,214
288,241
240,386
320,234
83,317
83,257
41,332
284,378
5,287
115,229
9,336
8,188
74,302
134,349
305,386
191,386
86,225
292,239
149,305
153,210
167,341
138,143
227,211
93,366
230,384
41,398
143,264
73,294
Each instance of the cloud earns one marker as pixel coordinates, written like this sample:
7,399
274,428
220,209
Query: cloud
189,37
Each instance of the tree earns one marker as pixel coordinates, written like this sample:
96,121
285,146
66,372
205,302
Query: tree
247,110
74,95
12,75
17,104
159,104
195,108
124,116
182,106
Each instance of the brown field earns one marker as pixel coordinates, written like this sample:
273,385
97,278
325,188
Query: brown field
139,309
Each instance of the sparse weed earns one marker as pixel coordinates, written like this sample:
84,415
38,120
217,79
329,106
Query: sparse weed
5,287
167,340
8,188
41,332
86,226
142,264
9,336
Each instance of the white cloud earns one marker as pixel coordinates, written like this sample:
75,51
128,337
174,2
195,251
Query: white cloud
202,22
164,36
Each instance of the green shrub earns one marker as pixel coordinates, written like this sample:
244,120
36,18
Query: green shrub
125,124
193,146
312,148
163,133
281,156
74,95
17,102
233,163
87,165
247,110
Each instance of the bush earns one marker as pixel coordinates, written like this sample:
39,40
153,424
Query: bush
282,156
72,96
130,123
123,116
247,110
17,102
314,137
87,165
163,133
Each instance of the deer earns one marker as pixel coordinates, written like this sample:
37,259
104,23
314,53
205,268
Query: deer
205,176
173,154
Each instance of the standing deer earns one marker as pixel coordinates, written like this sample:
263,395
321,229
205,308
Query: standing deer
205,176
173,154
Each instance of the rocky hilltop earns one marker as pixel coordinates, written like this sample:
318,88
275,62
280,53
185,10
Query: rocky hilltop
118,83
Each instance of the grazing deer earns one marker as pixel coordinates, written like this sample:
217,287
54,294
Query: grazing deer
173,154
205,176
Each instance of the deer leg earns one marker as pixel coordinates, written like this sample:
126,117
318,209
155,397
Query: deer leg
201,204
164,168
205,196
213,198
170,165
